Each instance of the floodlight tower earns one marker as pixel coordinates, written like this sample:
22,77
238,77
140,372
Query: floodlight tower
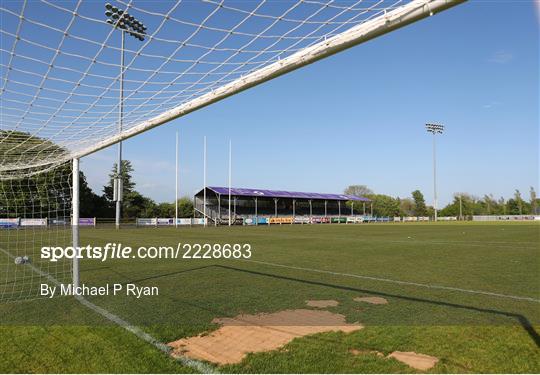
126,23
434,129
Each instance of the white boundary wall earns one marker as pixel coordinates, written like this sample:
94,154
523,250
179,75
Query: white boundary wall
505,217
166,221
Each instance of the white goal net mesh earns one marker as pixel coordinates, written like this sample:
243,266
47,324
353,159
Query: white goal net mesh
34,213
60,61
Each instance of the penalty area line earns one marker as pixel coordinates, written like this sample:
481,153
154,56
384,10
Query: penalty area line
410,283
192,363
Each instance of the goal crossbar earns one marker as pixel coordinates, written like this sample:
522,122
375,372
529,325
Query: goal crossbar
391,20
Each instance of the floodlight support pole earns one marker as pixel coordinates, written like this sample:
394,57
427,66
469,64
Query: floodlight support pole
120,186
310,212
219,210
176,186
230,179
339,211
75,220
293,210
325,208
256,216
204,181
434,178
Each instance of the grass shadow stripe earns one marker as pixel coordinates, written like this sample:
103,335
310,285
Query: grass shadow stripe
522,320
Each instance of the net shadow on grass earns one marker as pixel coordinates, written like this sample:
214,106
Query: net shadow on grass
521,319
153,277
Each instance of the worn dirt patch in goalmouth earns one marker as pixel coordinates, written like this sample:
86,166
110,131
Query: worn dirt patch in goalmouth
322,303
245,334
372,300
415,360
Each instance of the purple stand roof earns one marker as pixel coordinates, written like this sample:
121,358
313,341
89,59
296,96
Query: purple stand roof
285,194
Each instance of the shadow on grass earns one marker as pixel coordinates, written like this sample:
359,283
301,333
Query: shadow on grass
523,321
153,277
167,274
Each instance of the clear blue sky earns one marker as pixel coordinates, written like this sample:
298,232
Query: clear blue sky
358,117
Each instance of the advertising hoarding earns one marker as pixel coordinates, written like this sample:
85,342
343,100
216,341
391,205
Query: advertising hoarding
87,221
280,220
34,222
165,221
183,221
9,223
301,220
147,221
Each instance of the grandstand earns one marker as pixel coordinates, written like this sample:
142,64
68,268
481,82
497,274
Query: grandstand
261,206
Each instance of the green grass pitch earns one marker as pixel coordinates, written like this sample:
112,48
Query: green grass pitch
468,332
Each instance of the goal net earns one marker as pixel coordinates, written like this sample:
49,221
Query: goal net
75,79
35,208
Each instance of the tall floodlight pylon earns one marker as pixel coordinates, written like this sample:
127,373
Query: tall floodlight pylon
126,23
434,129
176,185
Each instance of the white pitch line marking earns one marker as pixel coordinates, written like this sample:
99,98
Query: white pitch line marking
194,364
454,289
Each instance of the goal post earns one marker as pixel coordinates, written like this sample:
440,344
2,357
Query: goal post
75,219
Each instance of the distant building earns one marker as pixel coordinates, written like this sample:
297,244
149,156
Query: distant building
288,205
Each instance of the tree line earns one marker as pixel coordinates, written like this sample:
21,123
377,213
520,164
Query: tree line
463,203
29,192
134,204
48,194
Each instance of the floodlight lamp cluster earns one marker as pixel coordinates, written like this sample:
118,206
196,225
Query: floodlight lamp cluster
125,22
435,128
